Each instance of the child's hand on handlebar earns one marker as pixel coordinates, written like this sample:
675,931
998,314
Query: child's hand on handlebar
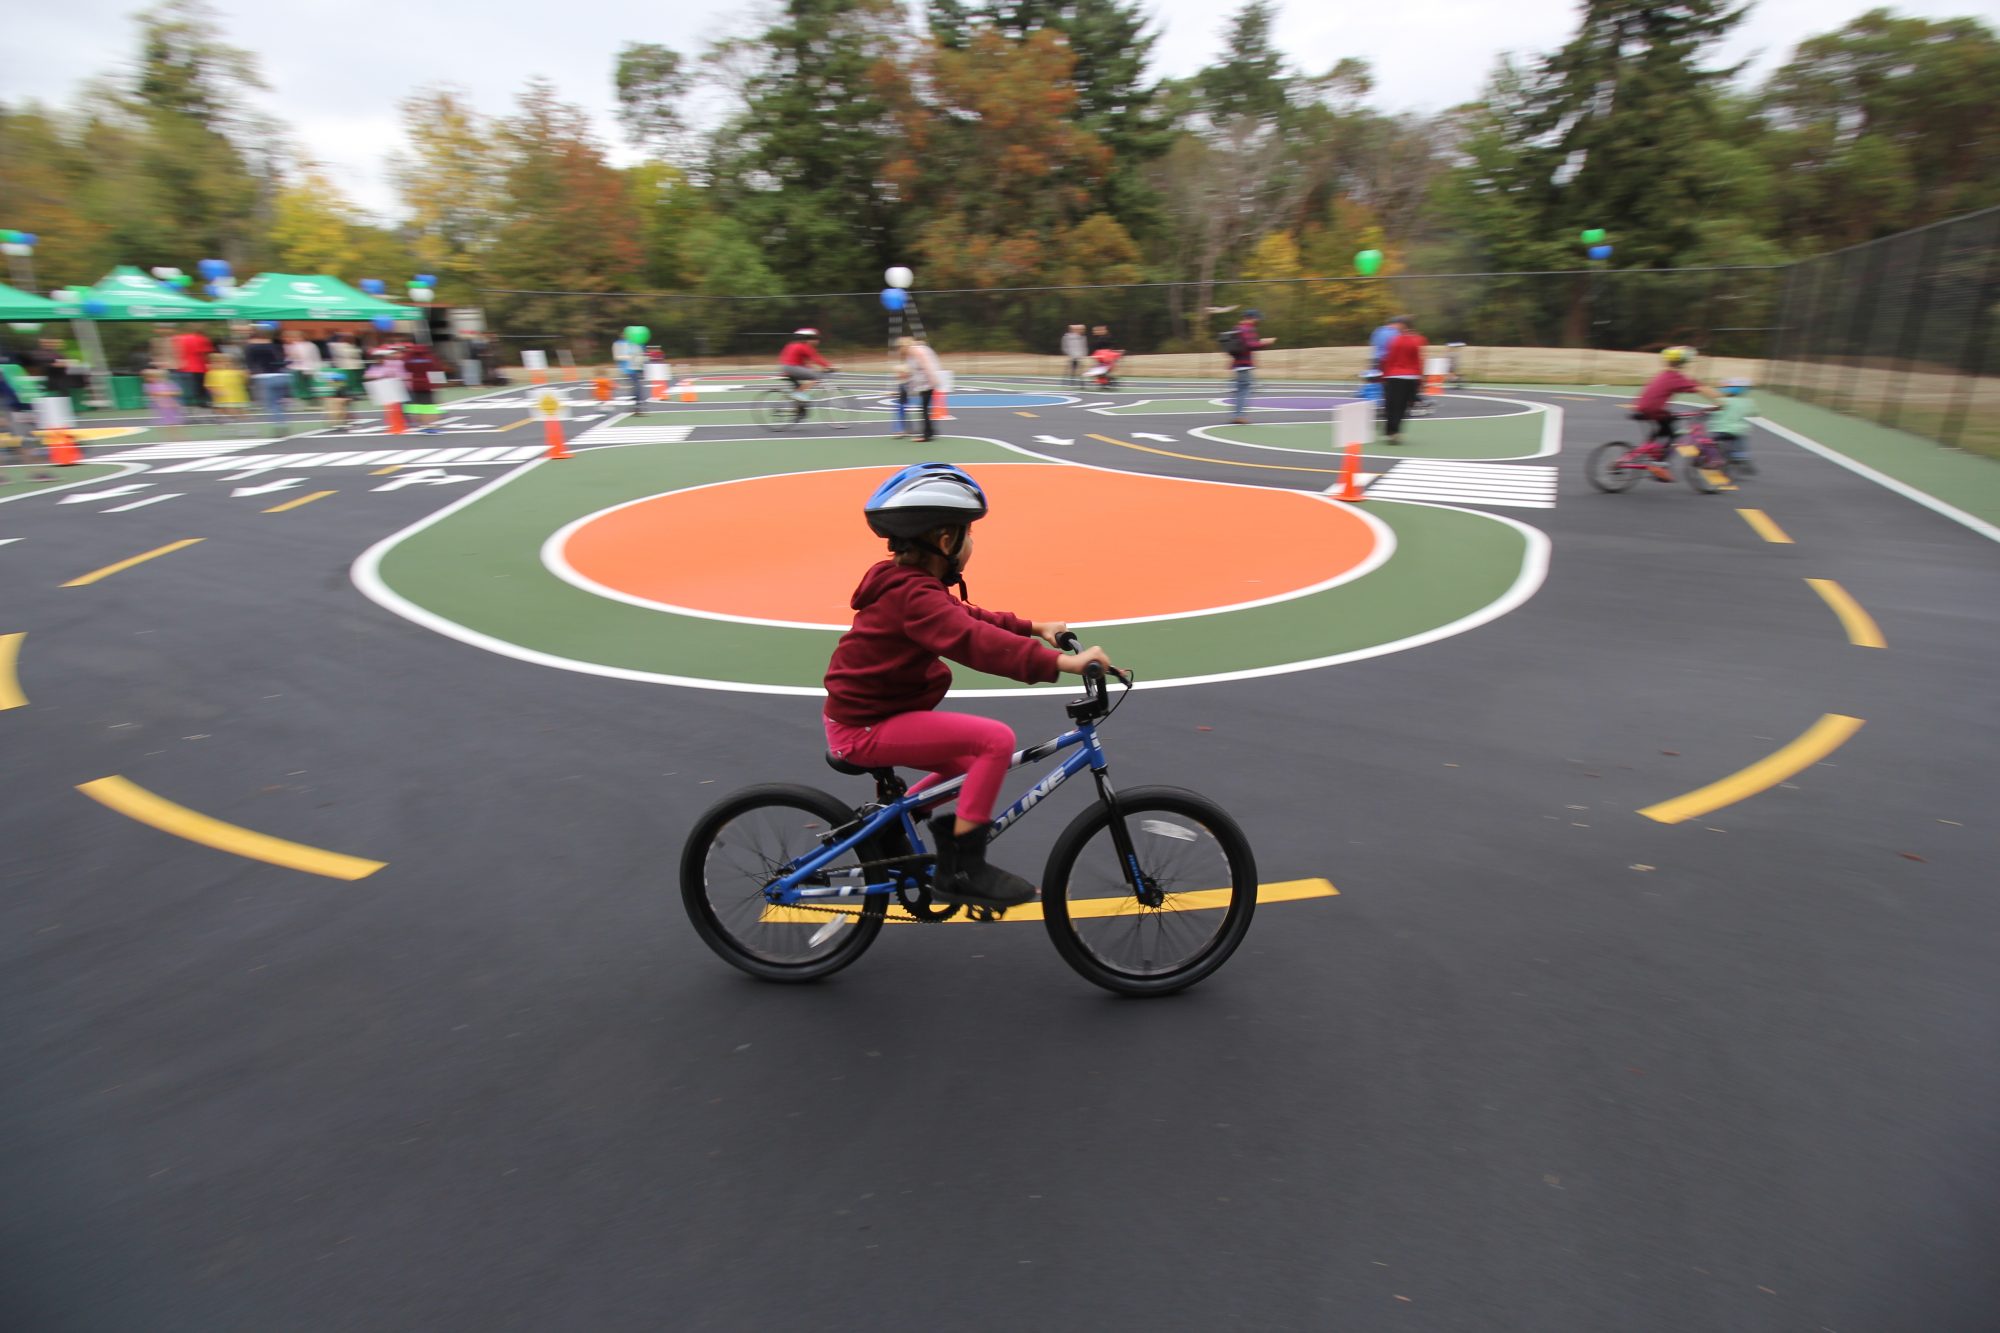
1074,663
1048,631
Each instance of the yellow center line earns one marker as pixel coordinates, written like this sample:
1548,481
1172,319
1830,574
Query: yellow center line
135,802
524,421
302,500
1024,414
1195,900
385,471
94,575
1225,462
1820,740
1760,523
10,683
1860,626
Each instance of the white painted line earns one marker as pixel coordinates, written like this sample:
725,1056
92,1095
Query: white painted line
369,459
141,504
522,453
1907,491
405,455
444,455
486,455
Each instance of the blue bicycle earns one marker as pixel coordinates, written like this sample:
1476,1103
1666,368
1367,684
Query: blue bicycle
1145,893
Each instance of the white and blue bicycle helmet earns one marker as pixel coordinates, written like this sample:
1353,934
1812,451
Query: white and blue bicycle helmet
919,500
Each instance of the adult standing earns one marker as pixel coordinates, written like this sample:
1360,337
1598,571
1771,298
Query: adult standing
303,357
192,349
631,358
345,353
926,374
1076,347
418,363
1402,376
270,376
1378,341
1243,351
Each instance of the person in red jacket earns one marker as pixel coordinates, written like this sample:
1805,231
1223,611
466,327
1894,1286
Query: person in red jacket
885,681
1654,405
1402,376
800,362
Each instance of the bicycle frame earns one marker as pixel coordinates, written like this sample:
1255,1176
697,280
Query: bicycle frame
903,810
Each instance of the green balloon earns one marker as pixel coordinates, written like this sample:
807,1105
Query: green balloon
183,280
1594,236
1368,263
10,237
638,333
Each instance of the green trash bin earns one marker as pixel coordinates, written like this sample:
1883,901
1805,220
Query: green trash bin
128,393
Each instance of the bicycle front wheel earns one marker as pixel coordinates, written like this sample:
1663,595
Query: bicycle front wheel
1703,478
1602,467
746,842
777,410
1200,889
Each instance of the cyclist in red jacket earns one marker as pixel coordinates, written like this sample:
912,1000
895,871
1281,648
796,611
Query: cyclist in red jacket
802,364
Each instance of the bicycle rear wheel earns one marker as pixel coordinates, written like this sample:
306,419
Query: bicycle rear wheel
743,844
1601,465
777,410
1191,855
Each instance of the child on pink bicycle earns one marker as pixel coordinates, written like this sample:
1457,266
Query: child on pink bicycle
1654,403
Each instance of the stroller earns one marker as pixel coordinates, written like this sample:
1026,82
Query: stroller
1102,373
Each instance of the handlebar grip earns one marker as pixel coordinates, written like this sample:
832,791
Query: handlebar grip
1093,671
1068,642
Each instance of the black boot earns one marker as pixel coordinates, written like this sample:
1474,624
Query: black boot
963,875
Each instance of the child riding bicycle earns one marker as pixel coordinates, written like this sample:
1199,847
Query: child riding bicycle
1654,403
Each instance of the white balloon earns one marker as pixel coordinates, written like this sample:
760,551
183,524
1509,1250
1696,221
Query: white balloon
899,277
162,272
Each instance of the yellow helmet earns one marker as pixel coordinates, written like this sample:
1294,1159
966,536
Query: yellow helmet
1677,356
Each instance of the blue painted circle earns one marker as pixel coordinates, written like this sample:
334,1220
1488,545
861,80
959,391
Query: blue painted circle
1008,399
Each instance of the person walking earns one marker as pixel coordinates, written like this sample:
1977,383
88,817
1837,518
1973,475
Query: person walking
270,377
1243,344
1402,376
418,363
631,359
192,349
926,374
345,354
302,357
1076,347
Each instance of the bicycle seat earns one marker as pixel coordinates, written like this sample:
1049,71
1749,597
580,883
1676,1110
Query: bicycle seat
839,765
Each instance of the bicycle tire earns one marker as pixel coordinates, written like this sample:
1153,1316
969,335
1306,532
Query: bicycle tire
820,812
1697,475
1089,948
777,410
1600,466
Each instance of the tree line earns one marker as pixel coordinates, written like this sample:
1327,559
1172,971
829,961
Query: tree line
1028,143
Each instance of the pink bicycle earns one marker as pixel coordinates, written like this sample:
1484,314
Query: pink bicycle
1706,465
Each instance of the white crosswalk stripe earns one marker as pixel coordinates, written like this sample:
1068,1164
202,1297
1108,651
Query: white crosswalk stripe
634,435
188,449
363,458
1450,481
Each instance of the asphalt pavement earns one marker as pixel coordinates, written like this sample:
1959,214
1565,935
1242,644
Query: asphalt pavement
1543,1063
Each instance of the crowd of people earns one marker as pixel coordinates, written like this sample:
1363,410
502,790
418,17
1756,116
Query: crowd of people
190,373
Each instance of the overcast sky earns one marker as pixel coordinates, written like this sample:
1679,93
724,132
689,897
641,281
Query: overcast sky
337,67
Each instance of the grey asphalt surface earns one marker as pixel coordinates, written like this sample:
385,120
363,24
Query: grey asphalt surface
1543,1064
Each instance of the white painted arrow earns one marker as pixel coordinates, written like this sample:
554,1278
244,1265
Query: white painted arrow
268,487
1051,439
112,494
429,476
1163,439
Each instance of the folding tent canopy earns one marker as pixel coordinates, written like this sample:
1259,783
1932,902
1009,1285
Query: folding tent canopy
21,307
307,296
127,293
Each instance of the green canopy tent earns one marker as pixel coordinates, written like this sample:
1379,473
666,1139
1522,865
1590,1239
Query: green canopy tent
19,307
307,296
126,294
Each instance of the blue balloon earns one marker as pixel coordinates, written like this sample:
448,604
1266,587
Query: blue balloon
373,286
208,268
213,289
95,308
1600,252
383,322
268,325
425,280
28,238
894,298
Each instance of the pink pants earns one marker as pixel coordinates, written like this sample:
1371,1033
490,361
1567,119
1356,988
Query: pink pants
947,744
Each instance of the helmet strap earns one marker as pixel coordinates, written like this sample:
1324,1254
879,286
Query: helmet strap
953,575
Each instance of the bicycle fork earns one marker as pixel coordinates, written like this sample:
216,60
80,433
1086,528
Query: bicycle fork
1143,888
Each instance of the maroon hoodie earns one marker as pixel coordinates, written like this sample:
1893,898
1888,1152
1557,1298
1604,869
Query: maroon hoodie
904,621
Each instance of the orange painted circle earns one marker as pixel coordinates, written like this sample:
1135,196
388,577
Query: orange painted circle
1072,542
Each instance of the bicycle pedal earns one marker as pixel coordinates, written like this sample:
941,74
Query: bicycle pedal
979,912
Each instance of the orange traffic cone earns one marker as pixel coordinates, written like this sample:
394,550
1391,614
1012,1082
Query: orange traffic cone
688,394
939,411
552,430
1350,476
600,389
62,449
392,415
660,388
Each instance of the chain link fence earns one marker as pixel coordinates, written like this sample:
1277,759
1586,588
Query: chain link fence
1900,331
